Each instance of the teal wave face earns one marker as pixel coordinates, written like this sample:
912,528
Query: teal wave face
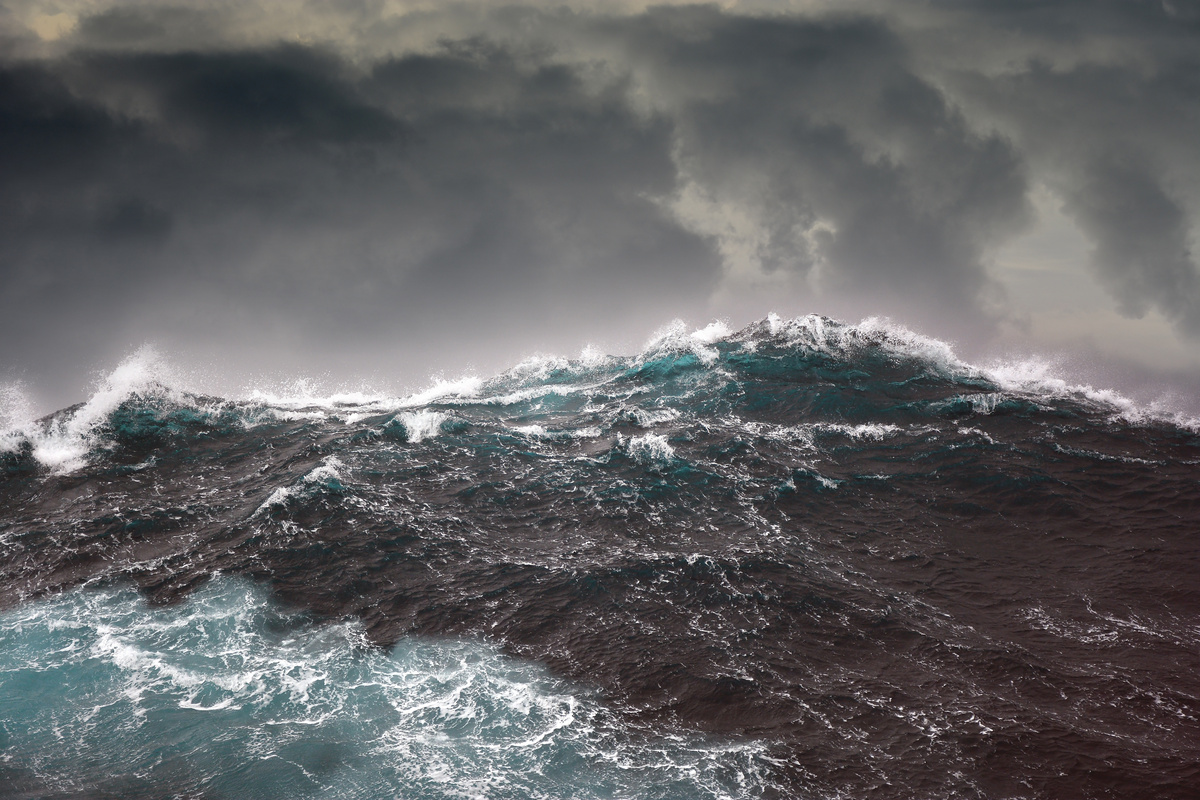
228,695
813,368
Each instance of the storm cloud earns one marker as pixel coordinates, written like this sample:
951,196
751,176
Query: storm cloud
372,184
274,184
1118,146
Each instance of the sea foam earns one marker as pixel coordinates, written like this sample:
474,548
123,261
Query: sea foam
62,443
230,695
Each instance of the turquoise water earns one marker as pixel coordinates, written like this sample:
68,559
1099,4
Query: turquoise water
229,695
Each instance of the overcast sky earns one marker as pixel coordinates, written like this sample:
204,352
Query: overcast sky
382,190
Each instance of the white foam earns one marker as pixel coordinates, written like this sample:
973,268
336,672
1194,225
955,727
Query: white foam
1037,377
648,418
869,430
63,444
464,387
675,337
592,357
774,323
828,483
651,448
674,333
903,341
805,434
838,338
16,409
983,403
964,431
422,425
540,432
306,393
214,675
523,395
16,417
326,474
284,415
307,399
539,366
532,431
716,331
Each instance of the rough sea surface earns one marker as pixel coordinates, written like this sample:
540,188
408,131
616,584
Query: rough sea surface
801,560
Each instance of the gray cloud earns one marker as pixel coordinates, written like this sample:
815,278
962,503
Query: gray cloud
1116,142
342,179
848,162
282,188
1141,237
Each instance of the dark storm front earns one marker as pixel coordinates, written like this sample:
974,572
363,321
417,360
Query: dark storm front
804,559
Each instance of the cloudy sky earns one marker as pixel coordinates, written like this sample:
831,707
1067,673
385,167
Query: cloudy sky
382,189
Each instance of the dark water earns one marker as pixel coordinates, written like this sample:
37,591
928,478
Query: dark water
804,559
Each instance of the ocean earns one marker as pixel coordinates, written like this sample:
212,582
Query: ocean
805,559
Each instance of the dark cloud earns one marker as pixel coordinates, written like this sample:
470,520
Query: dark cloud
132,219
207,193
131,26
287,97
1141,238
1117,144
1141,24
850,163
499,174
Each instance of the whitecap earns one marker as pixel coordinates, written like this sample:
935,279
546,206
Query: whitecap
464,387
675,337
325,476
651,448
64,442
541,432
646,418
421,425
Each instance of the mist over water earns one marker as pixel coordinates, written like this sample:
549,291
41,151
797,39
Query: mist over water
801,559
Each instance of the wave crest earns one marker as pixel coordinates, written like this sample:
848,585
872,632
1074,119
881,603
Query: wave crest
683,365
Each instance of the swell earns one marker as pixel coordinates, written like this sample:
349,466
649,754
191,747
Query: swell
910,575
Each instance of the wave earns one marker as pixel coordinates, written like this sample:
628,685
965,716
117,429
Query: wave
851,558
873,349
63,441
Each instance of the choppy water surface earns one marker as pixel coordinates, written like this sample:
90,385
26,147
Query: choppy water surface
804,559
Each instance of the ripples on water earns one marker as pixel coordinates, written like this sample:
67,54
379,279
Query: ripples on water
804,559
